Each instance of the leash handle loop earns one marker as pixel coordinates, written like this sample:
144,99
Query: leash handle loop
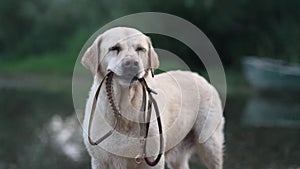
98,141
151,102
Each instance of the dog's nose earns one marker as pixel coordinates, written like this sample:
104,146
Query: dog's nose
130,62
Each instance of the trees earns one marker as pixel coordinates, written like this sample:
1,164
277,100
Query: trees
246,27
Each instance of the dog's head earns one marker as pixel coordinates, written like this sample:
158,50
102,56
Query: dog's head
125,51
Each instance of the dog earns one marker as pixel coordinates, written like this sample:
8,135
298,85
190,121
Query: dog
191,110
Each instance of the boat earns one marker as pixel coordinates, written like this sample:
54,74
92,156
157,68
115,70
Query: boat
273,74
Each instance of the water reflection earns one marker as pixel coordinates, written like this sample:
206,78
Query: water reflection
39,129
65,135
262,131
263,110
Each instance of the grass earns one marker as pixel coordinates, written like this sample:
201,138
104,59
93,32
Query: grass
63,64
45,64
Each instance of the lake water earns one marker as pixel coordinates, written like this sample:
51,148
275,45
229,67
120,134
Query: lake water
39,129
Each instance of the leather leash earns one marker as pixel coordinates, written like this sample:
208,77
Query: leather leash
144,126
117,114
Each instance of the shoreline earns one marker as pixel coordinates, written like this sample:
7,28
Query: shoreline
35,81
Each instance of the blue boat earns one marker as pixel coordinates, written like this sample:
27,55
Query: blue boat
265,74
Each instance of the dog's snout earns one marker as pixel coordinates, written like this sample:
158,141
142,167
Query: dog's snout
130,62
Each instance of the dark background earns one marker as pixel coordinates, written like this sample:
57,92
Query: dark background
40,41
267,28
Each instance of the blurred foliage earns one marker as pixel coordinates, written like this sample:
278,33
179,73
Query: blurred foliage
236,28
48,63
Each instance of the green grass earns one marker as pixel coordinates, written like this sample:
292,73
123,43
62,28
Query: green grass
63,64
48,63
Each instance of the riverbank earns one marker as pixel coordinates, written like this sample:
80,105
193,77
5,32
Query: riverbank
36,81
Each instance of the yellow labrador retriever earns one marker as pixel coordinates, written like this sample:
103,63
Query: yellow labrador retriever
190,108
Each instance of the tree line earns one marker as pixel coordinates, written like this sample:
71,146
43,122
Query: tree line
236,28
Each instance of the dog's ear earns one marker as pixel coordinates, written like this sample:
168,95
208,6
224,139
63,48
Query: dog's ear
153,61
90,58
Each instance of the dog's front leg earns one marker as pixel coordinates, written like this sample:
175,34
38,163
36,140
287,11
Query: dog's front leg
98,164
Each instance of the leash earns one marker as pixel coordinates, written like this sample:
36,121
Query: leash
144,126
117,114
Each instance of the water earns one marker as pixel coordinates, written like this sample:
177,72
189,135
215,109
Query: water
39,129
268,141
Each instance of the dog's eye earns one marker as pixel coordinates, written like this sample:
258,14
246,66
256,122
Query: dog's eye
115,48
140,49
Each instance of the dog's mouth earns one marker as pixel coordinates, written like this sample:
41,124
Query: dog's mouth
127,79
